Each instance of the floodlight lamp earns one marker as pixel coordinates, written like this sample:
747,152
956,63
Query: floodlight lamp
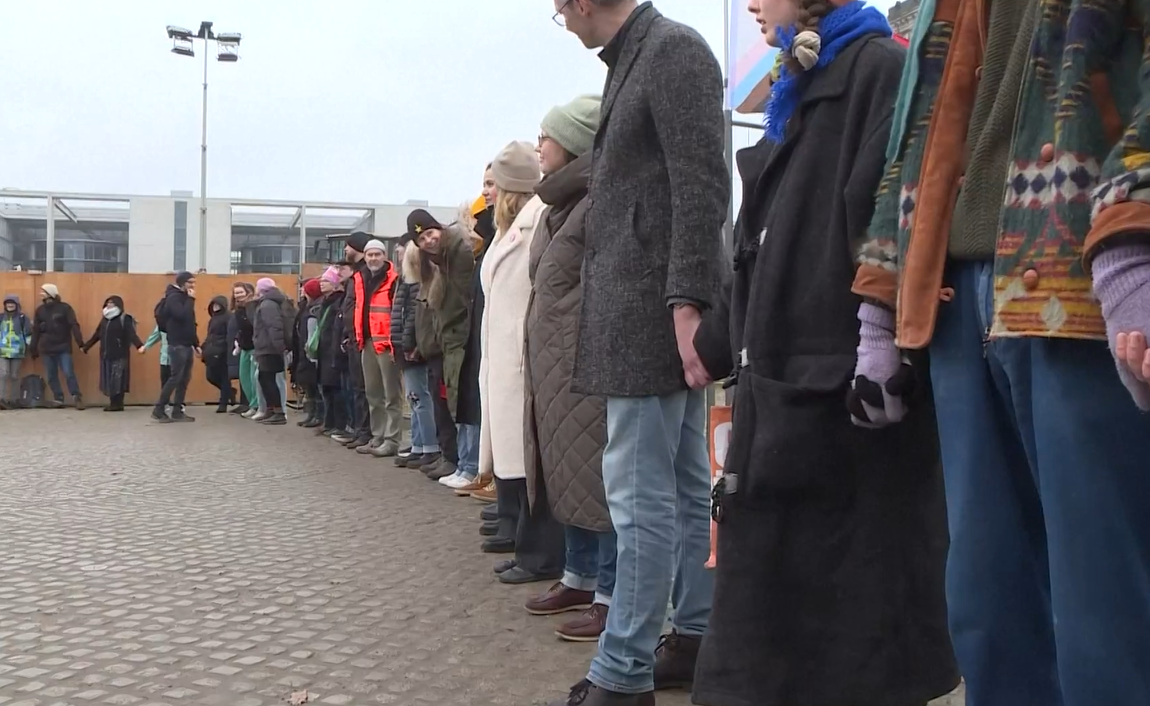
178,32
229,38
228,55
183,47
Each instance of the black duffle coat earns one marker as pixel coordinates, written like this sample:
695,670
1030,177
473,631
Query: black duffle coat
831,550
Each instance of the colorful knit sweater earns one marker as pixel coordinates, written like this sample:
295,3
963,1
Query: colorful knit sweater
1080,162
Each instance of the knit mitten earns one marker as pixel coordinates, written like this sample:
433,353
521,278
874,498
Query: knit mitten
1122,285
883,377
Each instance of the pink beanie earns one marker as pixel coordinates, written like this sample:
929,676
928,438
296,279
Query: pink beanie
331,275
265,284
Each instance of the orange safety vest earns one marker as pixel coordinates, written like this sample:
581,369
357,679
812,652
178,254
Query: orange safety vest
378,312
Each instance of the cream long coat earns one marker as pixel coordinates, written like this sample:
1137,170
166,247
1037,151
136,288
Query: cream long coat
507,291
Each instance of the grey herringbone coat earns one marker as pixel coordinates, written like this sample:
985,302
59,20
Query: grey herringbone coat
657,201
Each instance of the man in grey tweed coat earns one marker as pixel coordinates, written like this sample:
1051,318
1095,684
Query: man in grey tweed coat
658,198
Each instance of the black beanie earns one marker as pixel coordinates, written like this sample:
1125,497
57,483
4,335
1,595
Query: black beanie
359,240
183,277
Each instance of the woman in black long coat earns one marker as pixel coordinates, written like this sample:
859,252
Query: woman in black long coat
832,539
217,351
331,362
117,337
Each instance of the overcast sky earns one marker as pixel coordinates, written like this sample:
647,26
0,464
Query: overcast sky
343,100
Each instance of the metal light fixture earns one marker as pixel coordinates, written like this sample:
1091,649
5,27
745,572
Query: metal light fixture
228,46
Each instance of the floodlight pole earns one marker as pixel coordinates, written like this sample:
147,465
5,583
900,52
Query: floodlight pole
204,166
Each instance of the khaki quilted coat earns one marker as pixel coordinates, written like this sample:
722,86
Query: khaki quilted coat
565,431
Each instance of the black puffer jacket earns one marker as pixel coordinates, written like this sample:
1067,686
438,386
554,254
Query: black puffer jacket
332,363
403,307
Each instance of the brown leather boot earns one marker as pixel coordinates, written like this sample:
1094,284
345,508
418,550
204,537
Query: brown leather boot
675,661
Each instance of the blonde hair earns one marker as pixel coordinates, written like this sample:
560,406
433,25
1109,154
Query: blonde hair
508,204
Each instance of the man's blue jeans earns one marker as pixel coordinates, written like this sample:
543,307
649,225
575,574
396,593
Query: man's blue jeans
1047,466
53,364
423,438
657,473
468,435
590,562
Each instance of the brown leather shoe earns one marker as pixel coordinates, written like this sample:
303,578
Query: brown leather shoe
559,599
478,484
675,661
587,627
486,494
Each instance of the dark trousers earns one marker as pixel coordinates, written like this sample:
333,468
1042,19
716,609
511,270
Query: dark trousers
165,374
540,542
217,373
361,413
334,408
176,387
1046,464
445,430
270,367
507,508
116,401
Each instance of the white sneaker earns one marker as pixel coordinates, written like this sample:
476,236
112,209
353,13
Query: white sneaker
250,413
260,416
455,481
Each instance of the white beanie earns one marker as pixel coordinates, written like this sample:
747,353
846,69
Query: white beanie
51,290
516,168
375,244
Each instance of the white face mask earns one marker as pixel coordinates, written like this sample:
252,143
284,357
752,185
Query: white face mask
111,312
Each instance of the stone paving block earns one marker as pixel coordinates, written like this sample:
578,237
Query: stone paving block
227,563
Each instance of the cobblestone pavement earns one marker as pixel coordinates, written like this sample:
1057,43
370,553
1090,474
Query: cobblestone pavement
225,563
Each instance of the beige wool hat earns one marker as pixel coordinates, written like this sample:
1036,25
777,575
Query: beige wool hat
516,168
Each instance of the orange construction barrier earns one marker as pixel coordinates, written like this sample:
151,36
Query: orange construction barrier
719,438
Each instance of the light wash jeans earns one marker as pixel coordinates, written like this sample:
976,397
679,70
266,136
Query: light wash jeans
262,404
657,474
468,435
590,562
10,379
423,437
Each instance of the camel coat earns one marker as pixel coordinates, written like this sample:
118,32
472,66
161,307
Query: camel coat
507,291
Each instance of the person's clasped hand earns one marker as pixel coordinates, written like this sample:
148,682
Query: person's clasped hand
883,378
1122,285
687,320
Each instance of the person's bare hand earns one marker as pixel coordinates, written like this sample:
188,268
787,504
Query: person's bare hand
142,349
198,350
687,320
1132,354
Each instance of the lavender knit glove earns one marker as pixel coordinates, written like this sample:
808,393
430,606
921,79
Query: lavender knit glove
883,377
1122,285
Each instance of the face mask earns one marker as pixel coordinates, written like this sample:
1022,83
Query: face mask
111,312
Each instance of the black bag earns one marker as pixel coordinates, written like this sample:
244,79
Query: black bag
161,315
32,391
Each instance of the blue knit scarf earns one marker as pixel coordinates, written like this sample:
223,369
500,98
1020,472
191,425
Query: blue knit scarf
838,29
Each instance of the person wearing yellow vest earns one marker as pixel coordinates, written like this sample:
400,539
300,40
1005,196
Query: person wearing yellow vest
374,290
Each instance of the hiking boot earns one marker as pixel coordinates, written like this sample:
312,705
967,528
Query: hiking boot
385,450
181,417
675,658
486,494
587,627
369,447
275,419
559,599
587,694
443,470
79,402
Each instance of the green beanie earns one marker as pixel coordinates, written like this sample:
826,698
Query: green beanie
574,125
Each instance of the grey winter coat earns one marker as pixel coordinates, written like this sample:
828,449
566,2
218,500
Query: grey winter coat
271,338
565,430
658,199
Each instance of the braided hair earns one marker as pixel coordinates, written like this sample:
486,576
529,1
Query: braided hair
810,13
